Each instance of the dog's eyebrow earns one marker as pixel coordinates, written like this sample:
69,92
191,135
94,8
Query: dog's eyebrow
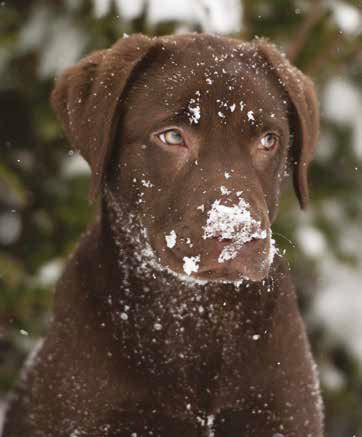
178,116
276,123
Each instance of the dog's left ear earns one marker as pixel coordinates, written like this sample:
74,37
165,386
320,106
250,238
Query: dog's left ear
86,99
301,92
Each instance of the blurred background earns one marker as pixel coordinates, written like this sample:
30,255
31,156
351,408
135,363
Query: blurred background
43,184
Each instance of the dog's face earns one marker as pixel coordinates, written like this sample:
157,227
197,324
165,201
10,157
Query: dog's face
203,144
200,151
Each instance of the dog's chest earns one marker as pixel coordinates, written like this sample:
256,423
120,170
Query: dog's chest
187,331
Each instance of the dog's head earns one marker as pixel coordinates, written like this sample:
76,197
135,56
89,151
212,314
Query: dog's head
194,135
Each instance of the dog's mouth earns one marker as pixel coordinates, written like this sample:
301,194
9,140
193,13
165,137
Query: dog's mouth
228,248
251,261
227,241
218,258
228,259
233,246
234,229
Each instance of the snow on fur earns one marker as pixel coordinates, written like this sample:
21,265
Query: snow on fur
235,223
191,264
171,239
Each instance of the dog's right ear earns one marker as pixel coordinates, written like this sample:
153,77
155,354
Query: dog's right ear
305,127
86,99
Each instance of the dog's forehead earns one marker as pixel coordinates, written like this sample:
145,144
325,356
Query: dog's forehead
208,80
221,82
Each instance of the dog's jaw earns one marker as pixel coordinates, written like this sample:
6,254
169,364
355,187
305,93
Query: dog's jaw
128,230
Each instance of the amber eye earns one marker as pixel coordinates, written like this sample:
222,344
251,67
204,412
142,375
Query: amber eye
268,142
172,137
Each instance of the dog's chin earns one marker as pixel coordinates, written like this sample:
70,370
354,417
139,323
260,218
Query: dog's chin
234,271
250,262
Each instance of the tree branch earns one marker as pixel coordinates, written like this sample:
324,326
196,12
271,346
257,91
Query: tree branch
302,35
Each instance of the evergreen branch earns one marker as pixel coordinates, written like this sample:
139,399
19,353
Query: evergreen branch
302,35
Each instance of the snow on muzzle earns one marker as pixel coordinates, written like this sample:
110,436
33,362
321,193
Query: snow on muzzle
233,223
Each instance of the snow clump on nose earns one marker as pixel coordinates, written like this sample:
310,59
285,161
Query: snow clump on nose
233,223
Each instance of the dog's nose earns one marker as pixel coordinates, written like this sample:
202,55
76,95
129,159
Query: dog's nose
219,237
233,223
253,229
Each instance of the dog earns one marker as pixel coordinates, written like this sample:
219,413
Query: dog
176,314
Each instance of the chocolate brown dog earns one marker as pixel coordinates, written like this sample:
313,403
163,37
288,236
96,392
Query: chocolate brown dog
176,316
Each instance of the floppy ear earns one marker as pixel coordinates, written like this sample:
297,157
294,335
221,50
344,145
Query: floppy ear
301,92
86,99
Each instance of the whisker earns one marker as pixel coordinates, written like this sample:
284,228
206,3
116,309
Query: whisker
285,238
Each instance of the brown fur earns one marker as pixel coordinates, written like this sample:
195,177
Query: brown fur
136,347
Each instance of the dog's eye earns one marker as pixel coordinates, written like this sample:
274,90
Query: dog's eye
269,142
172,137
